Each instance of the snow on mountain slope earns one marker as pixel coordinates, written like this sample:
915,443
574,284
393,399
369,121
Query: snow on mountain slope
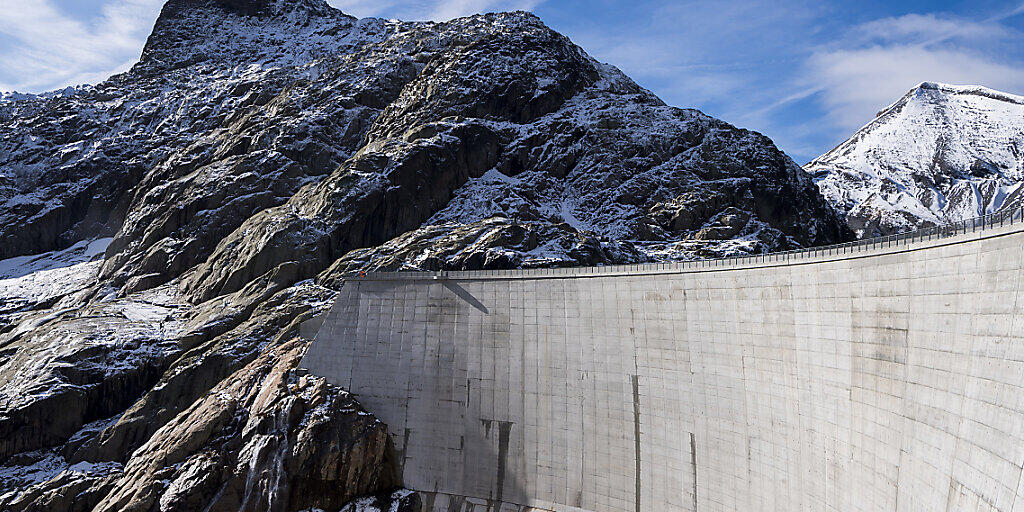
81,252
29,280
72,161
624,171
942,153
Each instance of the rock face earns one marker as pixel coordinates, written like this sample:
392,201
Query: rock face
265,438
591,151
259,151
940,154
495,243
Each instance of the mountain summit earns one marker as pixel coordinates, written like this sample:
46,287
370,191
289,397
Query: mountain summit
258,8
190,32
940,154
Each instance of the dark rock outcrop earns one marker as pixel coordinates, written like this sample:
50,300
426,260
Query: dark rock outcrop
266,438
491,244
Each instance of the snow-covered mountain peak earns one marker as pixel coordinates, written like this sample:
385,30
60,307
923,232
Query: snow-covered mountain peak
275,32
253,7
939,154
973,90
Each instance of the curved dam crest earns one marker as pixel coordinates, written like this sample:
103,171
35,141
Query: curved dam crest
888,379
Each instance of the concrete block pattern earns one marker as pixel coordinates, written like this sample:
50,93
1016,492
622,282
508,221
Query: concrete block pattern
888,380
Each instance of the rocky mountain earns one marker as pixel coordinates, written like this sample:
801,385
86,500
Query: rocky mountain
940,154
168,232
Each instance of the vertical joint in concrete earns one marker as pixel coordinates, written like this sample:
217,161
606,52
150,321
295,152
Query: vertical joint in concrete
636,433
693,464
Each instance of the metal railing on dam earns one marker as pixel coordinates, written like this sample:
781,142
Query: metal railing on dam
978,224
882,375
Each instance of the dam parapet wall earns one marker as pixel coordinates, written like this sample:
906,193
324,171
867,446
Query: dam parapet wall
883,375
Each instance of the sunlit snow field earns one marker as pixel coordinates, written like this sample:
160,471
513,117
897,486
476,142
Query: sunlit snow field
38,278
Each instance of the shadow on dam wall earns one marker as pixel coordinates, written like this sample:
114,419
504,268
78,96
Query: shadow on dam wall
882,380
448,440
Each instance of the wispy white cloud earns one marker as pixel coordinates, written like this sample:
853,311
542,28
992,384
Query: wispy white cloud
733,59
48,49
928,29
1014,12
704,52
800,71
881,60
438,10
858,83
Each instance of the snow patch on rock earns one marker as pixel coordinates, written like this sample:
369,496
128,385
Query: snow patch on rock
28,280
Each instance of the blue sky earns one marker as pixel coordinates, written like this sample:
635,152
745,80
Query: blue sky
806,73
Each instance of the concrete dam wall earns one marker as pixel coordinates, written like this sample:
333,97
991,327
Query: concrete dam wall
882,379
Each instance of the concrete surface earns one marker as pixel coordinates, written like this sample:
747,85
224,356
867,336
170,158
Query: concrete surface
881,380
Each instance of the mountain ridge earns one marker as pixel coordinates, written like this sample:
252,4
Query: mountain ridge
941,153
